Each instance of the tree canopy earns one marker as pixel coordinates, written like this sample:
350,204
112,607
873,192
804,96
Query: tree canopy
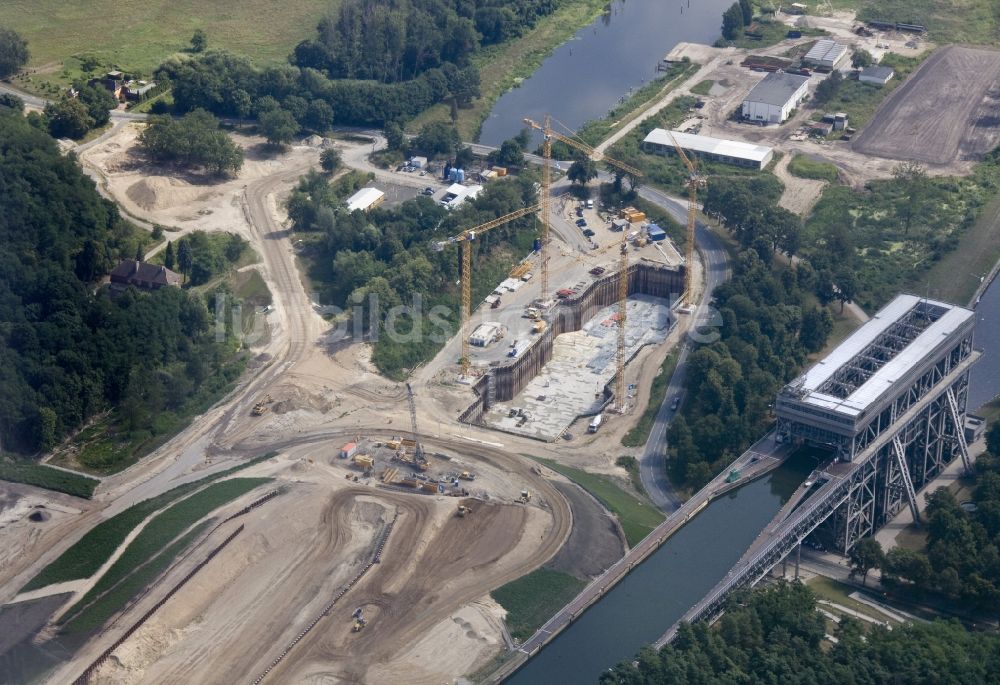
13,52
776,635
193,140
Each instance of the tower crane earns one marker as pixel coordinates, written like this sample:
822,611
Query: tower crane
596,155
418,450
466,238
693,183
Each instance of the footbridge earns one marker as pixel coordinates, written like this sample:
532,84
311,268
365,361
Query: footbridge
889,404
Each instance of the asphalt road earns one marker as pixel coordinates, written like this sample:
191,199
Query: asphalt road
653,462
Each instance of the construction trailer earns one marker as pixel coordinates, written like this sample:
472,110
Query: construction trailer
348,450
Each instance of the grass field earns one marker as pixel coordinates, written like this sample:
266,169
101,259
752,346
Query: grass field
636,516
138,35
955,277
637,436
703,87
533,599
160,542
804,166
860,100
39,475
838,593
967,21
93,549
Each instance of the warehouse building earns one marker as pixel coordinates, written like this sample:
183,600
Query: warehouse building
733,152
365,199
877,75
772,100
826,55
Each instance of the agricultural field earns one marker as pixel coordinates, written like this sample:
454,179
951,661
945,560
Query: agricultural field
139,35
945,112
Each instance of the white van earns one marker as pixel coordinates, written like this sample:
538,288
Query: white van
590,204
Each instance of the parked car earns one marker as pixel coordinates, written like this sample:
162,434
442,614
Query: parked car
587,232
564,293
674,403
597,270
428,191
581,223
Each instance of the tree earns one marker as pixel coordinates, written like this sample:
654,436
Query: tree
510,154
193,140
817,324
68,118
184,257
437,138
582,171
993,439
138,253
199,41
732,22
330,160
319,116
47,421
861,59
13,52
747,10
242,104
168,256
278,126
99,102
866,555
394,137
912,178
8,101
828,88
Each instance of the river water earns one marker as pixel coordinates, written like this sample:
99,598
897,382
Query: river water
585,76
660,590
984,384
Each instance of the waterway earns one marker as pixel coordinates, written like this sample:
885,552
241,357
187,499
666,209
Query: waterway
984,384
660,590
585,76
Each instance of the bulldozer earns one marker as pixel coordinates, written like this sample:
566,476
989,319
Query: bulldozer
463,510
260,407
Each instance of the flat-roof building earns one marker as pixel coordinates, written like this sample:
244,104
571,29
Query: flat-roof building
876,74
733,152
365,199
848,398
772,100
458,193
826,54
486,334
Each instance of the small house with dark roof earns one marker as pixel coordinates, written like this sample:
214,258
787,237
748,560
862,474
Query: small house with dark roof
143,276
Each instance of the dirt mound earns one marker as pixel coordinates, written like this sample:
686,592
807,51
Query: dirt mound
162,192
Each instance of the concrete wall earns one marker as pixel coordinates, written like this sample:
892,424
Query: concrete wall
509,378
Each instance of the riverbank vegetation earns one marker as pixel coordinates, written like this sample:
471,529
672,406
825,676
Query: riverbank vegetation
639,434
90,552
637,516
161,541
533,599
775,634
890,236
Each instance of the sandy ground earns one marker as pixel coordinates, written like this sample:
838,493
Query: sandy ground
801,194
428,620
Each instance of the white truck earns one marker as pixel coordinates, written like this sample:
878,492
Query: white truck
595,423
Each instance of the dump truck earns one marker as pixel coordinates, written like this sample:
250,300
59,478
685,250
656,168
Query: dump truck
466,475
595,423
525,496
261,407
364,461
538,327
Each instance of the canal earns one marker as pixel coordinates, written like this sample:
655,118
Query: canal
585,76
984,384
658,592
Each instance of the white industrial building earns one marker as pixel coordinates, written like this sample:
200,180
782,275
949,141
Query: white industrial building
826,55
458,193
877,75
365,199
733,152
486,334
773,99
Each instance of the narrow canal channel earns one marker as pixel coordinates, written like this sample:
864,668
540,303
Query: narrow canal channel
666,585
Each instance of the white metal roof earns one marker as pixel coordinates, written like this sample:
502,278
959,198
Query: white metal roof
826,51
882,380
777,88
705,144
364,198
458,193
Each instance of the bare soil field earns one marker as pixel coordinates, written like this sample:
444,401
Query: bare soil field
945,112
594,544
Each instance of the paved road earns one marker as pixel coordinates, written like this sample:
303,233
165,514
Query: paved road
653,462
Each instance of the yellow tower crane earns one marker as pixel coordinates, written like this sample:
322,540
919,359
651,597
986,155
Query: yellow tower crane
597,156
466,238
693,183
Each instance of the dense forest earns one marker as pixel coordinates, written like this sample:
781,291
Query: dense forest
775,635
767,325
69,349
388,253
372,62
